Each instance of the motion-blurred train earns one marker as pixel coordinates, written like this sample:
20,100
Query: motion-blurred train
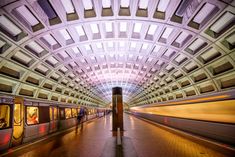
23,120
211,116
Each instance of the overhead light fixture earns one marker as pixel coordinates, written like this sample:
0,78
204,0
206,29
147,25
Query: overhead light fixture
167,32
152,29
106,3
22,57
52,60
110,44
223,22
42,68
64,54
65,34
2,43
162,5
123,26
68,6
35,47
9,26
121,43
99,45
108,26
75,50
137,27
143,4
196,44
125,3
133,45
50,39
203,13
63,69
87,4
180,58
27,15
80,30
94,28
87,47
145,46
181,38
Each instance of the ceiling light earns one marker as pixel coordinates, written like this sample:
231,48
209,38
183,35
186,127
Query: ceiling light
196,44
121,43
145,46
80,30
35,47
106,3
137,27
108,26
87,4
99,45
42,68
63,69
204,12
68,6
167,32
9,26
143,4
123,26
180,39
64,54
65,34
231,39
28,16
75,50
50,39
52,60
133,44
125,3
110,44
180,58
21,56
94,28
152,29
2,43
72,64
223,22
87,47
162,5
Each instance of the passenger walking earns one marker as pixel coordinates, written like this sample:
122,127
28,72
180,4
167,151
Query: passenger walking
81,115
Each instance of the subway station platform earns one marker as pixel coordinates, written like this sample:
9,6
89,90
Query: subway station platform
95,139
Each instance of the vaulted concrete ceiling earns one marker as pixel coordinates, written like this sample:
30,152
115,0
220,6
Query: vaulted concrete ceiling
75,51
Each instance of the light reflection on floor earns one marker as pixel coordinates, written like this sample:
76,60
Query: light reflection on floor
89,141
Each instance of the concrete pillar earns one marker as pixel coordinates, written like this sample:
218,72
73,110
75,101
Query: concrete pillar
117,108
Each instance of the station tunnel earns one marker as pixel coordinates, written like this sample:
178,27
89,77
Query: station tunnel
173,59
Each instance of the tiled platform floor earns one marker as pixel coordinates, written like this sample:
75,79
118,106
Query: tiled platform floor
91,141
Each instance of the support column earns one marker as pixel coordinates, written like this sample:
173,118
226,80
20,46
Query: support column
117,108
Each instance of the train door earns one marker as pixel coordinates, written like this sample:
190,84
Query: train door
18,122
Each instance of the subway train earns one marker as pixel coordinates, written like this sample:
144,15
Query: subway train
24,120
211,116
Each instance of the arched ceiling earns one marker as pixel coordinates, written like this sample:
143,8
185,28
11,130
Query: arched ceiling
77,50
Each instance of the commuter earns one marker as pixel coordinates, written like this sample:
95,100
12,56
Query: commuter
81,115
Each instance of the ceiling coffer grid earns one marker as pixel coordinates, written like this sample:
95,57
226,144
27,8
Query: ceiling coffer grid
157,50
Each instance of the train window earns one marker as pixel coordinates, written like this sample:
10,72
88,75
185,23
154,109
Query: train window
68,113
51,113
62,116
4,116
74,112
78,111
32,115
55,113
44,115
17,115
